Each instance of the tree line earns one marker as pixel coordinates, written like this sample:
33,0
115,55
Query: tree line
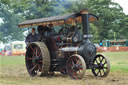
112,24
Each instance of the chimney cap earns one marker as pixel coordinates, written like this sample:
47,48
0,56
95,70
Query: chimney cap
84,11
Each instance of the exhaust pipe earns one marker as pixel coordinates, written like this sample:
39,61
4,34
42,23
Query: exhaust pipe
85,23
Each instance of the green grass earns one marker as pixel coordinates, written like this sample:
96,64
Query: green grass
118,61
12,60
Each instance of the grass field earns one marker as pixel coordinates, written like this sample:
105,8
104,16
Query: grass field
13,72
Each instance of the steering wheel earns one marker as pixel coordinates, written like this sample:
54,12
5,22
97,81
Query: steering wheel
64,31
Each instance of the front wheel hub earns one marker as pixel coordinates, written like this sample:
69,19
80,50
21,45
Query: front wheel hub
76,67
35,59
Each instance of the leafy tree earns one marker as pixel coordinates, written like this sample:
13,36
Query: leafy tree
123,33
111,17
31,9
13,13
1,37
9,29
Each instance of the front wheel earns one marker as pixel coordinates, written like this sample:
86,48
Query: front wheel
101,66
76,67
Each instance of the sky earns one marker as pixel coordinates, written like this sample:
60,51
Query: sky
1,20
123,4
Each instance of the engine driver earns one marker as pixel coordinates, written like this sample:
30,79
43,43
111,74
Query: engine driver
32,37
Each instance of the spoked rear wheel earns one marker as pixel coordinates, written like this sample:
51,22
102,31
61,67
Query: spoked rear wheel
37,59
101,66
76,67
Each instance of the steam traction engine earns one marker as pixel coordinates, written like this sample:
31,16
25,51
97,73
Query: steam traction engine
68,52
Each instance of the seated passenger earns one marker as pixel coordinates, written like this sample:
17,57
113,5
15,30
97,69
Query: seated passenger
51,31
32,37
41,32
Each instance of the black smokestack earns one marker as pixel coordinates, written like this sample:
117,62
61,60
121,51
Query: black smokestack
85,22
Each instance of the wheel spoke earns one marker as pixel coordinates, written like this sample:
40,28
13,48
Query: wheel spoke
39,68
36,51
98,72
102,59
32,49
79,62
80,67
105,67
96,61
103,70
70,71
99,58
69,64
29,58
40,61
72,62
33,68
39,54
74,75
76,60
105,62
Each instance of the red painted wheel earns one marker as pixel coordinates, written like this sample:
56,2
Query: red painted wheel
76,67
101,66
35,59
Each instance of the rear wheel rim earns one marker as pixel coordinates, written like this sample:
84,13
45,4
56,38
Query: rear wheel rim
101,66
34,60
76,67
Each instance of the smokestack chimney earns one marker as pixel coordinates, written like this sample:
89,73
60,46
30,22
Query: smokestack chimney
85,22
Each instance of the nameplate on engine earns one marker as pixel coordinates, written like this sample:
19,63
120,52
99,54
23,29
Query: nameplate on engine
88,36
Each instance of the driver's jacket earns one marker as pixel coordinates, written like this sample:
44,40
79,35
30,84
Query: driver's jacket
31,38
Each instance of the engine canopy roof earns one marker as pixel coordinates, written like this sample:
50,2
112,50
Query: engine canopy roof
57,20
